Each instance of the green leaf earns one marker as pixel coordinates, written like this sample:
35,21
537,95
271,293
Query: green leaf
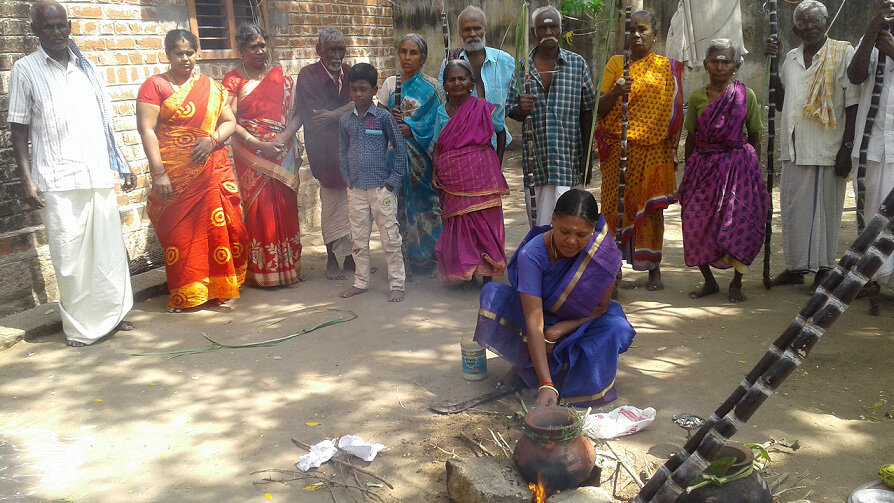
762,453
720,466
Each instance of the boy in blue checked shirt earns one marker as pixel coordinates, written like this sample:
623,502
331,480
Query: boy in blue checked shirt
364,136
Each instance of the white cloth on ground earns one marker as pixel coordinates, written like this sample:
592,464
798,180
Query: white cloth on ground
812,199
380,205
334,222
545,197
87,249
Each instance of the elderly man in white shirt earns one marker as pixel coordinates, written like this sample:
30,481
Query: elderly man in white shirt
493,68
56,101
877,80
818,105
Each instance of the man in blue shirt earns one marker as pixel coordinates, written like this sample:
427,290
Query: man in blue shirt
371,177
493,69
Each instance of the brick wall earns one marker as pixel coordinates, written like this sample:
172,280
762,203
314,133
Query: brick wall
125,39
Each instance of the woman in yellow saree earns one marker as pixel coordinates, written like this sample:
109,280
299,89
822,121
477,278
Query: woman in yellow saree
183,120
655,117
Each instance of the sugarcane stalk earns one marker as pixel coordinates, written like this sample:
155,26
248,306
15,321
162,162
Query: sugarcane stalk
445,29
528,124
860,263
772,11
871,114
625,103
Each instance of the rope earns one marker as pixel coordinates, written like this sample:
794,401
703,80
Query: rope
215,345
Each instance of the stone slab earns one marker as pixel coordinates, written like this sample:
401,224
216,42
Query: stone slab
44,319
495,480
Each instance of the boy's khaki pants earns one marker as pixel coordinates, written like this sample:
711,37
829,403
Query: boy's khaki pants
381,204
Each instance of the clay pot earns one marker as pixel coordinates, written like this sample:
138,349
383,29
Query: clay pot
751,489
553,449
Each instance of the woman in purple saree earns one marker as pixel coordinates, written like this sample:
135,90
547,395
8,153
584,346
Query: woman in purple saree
723,197
469,182
555,322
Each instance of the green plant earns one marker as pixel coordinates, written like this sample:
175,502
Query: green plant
716,474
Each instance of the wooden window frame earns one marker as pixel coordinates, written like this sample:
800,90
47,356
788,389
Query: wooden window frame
231,20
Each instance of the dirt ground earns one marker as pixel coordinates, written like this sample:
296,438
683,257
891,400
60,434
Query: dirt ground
100,425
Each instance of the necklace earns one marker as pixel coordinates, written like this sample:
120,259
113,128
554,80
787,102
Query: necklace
173,81
552,243
245,71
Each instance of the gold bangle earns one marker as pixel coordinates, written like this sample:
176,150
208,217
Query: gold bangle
548,341
546,386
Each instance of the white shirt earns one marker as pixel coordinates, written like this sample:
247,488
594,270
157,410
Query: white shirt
882,139
806,140
59,105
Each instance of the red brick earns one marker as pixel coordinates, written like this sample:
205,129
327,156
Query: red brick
84,11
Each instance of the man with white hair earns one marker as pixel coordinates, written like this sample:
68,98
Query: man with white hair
493,68
819,107
57,101
322,97
879,149
561,106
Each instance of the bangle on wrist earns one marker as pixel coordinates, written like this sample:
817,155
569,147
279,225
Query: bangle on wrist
545,383
153,175
548,341
546,386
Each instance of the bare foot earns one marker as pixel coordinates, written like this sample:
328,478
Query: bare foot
735,293
396,296
125,326
655,283
74,344
350,292
707,289
302,278
333,271
787,277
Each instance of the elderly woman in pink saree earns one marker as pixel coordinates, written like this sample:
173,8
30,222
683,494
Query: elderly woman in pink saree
723,197
469,182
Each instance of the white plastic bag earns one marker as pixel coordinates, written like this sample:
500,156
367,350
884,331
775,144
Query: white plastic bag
319,454
625,420
364,450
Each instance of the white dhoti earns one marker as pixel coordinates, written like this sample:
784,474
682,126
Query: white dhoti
812,202
334,223
879,182
88,253
545,197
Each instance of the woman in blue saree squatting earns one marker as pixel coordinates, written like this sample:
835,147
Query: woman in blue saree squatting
419,209
555,322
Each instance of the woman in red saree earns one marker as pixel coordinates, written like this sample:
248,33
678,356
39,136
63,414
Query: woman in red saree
265,161
469,182
183,120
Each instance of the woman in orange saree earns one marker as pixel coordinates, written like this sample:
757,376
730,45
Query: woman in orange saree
183,120
655,120
265,161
